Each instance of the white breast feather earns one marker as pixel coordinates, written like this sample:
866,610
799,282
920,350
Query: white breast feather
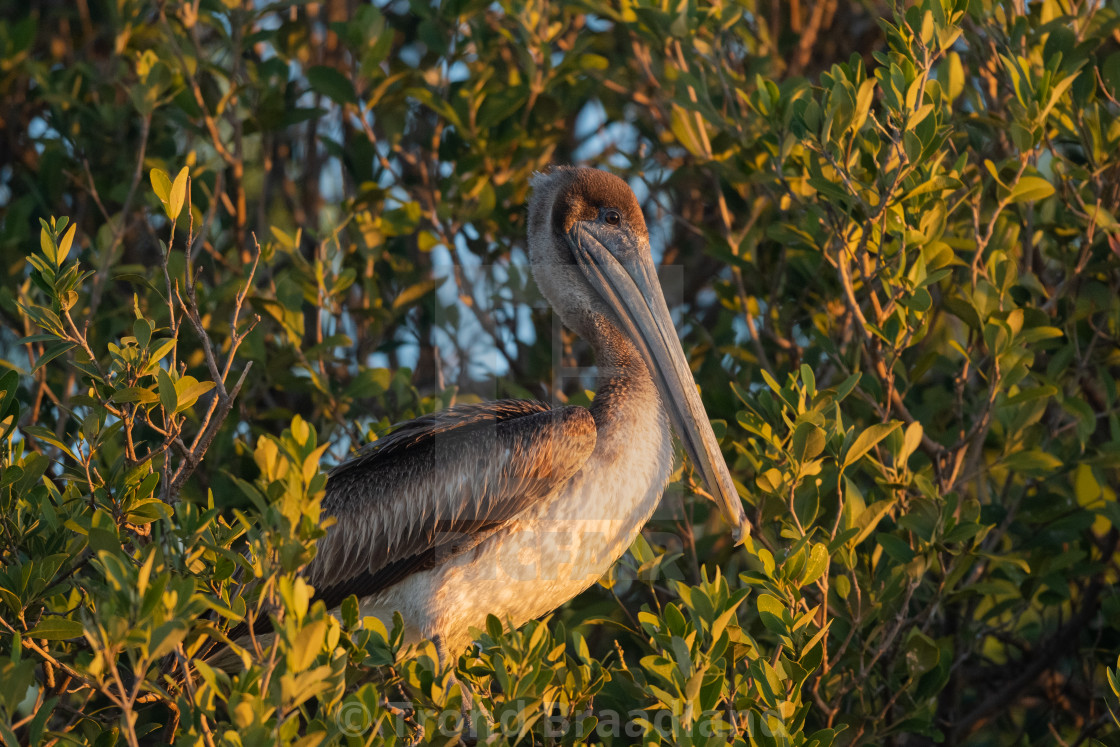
553,551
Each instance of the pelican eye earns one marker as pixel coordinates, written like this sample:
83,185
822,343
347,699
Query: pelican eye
612,217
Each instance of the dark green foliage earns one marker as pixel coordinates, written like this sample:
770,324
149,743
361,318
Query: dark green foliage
279,228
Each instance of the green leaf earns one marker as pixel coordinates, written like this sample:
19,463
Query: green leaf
332,84
808,441
1033,462
1031,188
142,331
846,386
17,677
922,654
54,628
938,184
808,380
895,547
47,436
166,637
147,512
725,617
772,613
493,627
143,395
868,439
993,171
52,352
168,396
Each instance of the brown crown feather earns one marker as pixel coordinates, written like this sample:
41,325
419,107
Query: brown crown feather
581,193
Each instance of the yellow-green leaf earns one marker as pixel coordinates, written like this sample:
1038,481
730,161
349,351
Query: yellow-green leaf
816,565
46,245
189,389
413,294
161,185
178,194
140,394
64,245
869,518
1031,188
681,123
867,440
161,349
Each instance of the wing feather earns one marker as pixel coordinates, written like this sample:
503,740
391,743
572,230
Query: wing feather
439,485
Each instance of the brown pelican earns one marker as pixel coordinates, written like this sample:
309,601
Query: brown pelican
514,507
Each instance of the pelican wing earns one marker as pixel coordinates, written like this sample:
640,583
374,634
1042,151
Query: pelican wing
438,486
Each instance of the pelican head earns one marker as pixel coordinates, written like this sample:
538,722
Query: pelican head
589,250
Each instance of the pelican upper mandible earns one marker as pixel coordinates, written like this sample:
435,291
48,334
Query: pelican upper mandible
513,507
